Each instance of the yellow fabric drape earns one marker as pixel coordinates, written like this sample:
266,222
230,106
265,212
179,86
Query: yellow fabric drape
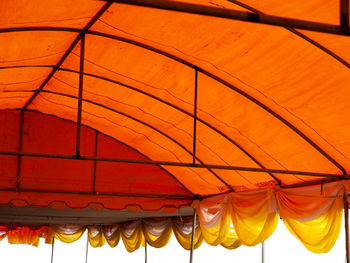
157,241
252,217
112,235
23,236
96,237
133,237
312,213
318,235
68,237
26,235
185,238
312,217
215,221
231,241
50,236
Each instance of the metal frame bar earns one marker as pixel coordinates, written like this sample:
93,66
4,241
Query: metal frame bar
176,164
239,91
95,162
344,15
195,116
236,15
87,245
346,223
40,28
313,182
80,95
52,248
193,235
20,148
145,251
103,194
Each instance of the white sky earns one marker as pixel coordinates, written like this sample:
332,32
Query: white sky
280,247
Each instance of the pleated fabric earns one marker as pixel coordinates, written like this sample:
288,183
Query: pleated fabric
313,214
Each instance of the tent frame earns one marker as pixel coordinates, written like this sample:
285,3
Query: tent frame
254,17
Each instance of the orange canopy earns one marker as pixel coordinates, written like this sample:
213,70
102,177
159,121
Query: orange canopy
109,104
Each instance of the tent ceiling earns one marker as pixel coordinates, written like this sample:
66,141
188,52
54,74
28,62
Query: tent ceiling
267,96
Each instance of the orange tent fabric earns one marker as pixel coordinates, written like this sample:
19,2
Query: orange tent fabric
269,103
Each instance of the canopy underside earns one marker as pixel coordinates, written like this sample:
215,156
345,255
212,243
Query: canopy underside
204,105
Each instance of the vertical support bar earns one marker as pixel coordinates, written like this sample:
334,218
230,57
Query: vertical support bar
195,116
262,252
52,247
193,234
20,147
87,245
95,163
344,15
80,96
145,251
346,223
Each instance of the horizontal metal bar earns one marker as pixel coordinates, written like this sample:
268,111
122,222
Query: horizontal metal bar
237,15
313,182
178,164
40,28
100,194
